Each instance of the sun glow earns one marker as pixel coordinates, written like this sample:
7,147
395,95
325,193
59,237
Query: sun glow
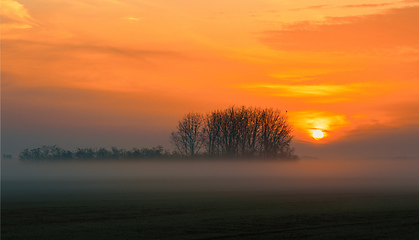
318,134
310,125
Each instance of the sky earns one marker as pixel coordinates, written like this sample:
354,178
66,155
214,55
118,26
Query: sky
103,73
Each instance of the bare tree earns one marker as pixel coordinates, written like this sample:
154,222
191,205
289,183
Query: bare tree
248,132
212,132
275,133
189,137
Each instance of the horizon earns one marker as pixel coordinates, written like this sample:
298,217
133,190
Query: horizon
123,73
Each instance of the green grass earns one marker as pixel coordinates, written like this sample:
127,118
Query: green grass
207,215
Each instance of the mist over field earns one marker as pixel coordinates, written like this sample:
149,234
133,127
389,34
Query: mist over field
197,199
37,178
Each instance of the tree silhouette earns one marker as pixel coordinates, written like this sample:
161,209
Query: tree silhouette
6,156
56,153
237,132
103,153
84,153
189,137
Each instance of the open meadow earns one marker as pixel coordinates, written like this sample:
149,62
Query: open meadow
213,216
206,201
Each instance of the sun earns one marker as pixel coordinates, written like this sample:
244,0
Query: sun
318,134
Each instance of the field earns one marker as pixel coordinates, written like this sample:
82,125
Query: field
345,200
207,215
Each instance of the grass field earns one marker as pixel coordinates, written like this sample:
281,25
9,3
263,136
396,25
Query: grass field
211,215
220,200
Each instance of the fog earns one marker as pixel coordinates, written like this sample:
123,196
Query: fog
39,178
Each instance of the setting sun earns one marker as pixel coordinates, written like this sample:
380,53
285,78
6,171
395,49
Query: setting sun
318,134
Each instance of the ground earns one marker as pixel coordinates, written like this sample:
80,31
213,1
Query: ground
210,215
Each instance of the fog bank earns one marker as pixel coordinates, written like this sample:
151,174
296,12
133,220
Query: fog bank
20,178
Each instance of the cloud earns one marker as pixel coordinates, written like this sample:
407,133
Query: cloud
99,2
391,29
84,66
318,90
311,7
14,16
60,50
306,90
367,5
311,120
132,18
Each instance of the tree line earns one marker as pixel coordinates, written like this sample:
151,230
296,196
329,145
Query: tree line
235,132
56,153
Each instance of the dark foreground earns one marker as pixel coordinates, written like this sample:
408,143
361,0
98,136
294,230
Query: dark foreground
211,215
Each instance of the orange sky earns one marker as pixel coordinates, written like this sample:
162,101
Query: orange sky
122,72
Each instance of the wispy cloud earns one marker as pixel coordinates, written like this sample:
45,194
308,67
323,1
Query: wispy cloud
311,7
84,48
365,5
320,90
98,2
368,5
15,15
83,66
132,18
391,29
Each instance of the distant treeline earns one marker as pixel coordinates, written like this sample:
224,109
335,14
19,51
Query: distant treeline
6,156
57,153
235,132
